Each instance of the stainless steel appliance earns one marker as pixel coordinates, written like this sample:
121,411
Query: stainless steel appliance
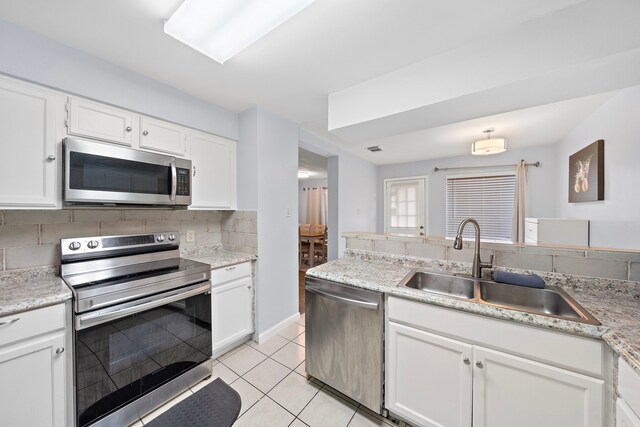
103,174
344,340
142,324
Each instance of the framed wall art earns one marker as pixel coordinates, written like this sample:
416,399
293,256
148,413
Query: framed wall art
586,173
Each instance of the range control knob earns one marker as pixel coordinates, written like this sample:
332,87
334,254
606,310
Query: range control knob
160,238
74,246
172,237
93,244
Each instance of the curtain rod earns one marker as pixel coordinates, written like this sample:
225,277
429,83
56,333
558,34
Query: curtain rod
437,169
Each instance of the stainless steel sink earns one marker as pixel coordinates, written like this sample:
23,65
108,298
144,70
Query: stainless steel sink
443,284
551,301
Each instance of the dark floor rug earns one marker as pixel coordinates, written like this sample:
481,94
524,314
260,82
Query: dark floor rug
215,405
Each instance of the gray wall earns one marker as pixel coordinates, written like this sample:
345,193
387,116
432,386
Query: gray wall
30,56
615,221
540,202
267,173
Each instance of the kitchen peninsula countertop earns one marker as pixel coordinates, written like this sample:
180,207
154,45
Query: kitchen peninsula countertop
28,289
218,258
614,303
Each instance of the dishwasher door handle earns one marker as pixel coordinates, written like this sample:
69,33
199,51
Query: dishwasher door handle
337,297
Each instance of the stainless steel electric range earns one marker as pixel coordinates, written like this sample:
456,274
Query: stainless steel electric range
142,324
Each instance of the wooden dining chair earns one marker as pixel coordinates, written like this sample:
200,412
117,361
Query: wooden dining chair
305,229
320,248
303,248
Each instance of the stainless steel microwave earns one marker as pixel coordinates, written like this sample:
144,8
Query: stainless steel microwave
102,174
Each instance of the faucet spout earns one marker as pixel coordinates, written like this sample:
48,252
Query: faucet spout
478,265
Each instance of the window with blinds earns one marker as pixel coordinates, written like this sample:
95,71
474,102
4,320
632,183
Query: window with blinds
488,199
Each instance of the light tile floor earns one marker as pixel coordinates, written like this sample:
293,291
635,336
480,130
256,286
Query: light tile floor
271,381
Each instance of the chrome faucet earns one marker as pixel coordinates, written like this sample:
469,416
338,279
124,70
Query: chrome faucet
478,265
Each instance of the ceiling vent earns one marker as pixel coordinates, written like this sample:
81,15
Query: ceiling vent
374,148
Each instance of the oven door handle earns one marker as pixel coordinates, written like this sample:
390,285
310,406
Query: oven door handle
84,321
174,180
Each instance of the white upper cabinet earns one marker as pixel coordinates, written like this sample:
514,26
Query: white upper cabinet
31,127
99,121
158,135
214,172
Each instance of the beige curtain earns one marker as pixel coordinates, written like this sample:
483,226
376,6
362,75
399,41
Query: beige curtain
520,211
317,201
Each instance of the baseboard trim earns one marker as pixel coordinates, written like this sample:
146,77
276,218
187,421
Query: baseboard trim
279,327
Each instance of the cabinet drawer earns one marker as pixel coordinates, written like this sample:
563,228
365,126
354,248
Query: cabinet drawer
629,385
31,323
567,351
232,272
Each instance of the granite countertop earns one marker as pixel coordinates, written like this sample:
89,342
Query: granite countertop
29,289
220,258
615,306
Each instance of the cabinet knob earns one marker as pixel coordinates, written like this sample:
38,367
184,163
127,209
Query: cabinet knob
128,128
194,171
60,350
479,365
145,133
466,361
51,157
249,287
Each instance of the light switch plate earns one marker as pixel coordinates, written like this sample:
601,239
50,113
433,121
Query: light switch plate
191,236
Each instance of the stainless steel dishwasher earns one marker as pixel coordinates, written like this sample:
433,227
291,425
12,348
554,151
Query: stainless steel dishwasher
344,339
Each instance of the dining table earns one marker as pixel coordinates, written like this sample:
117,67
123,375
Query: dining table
312,239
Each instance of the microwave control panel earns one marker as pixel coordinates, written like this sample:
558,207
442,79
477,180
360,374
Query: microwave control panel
184,182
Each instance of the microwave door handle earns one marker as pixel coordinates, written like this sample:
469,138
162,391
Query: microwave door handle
174,180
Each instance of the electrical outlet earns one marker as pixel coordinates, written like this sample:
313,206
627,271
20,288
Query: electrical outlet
287,212
191,236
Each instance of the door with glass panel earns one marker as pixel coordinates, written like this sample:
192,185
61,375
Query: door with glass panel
405,201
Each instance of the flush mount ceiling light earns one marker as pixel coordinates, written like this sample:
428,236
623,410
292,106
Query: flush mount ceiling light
488,146
222,28
303,174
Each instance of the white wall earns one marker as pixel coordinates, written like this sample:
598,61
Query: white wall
268,177
615,221
30,56
352,190
307,183
540,202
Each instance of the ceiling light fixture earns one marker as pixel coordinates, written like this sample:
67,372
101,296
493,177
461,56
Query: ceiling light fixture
303,174
488,146
222,28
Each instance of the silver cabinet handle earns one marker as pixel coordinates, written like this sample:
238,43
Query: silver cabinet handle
8,322
128,128
194,170
479,365
145,133
51,157
230,268
60,350
466,361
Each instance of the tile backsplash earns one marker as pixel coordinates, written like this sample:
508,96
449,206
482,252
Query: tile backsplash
32,238
239,231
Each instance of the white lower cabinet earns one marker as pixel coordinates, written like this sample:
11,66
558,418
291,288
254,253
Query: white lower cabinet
33,389
429,377
514,391
436,380
231,306
625,417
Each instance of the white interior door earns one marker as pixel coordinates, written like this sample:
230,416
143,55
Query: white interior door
405,202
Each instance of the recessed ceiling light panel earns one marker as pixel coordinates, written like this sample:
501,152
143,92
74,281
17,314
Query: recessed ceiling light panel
222,28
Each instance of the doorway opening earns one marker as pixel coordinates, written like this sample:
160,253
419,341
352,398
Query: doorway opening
313,214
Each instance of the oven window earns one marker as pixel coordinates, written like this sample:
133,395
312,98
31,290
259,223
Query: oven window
99,173
121,360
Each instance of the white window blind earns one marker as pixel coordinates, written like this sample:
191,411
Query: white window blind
488,199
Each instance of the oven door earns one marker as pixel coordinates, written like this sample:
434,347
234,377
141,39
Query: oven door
127,351
96,173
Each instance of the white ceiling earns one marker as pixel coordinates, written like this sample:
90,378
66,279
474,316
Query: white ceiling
340,47
313,163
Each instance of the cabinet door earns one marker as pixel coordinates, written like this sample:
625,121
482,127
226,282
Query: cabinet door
625,417
428,377
512,391
93,120
158,135
231,311
32,390
214,171
31,127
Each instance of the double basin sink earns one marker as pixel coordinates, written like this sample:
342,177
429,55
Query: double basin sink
550,301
